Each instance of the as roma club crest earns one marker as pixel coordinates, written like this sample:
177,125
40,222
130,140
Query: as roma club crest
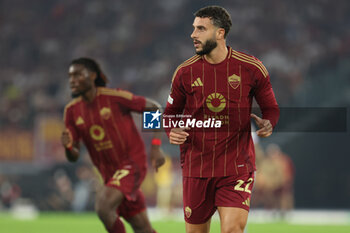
234,81
188,212
105,113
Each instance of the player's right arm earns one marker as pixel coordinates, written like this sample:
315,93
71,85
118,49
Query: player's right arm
178,136
70,137
71,147
175,105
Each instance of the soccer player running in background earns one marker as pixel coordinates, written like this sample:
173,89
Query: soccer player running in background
101,118
218,164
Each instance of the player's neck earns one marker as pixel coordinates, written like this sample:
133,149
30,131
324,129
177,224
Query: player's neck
90,95
217,55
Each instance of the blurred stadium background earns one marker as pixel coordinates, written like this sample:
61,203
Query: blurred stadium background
304,44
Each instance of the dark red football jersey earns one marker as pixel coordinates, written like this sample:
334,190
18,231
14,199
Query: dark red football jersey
224,92
108,131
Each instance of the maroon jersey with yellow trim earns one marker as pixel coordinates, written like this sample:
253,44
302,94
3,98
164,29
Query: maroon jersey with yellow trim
108,131
225,92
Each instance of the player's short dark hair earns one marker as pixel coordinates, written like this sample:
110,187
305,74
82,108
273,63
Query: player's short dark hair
219,16
93,66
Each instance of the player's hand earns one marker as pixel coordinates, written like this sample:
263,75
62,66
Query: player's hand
66,139
265,127
178,136
157,157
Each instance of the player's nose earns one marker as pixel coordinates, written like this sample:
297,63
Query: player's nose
73,82
194,34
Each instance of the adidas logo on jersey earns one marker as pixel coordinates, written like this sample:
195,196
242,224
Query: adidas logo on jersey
79,121
246,202
197,83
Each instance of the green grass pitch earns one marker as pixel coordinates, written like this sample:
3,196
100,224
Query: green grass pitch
89,223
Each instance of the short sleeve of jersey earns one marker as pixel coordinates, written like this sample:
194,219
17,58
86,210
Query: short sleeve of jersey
70,124
130,101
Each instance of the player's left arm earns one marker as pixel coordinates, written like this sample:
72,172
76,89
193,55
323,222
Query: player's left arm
136,103
266,100
156,154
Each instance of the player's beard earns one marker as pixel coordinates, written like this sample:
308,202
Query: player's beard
207,47
76,94
80,93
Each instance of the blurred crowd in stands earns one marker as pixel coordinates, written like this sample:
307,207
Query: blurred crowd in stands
139,45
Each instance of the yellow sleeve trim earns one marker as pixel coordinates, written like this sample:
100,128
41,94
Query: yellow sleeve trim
71,103
184,64
120,93
250,60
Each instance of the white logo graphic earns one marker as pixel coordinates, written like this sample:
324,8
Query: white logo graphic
151,120
170,100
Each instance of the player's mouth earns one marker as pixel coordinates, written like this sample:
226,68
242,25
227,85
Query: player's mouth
73,88
196,43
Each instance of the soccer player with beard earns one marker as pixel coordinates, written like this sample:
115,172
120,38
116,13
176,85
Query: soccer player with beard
101,118
218,164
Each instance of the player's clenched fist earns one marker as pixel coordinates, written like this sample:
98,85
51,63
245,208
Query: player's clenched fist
66,139
178,136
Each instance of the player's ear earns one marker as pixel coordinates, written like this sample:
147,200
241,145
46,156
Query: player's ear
220,34
93,76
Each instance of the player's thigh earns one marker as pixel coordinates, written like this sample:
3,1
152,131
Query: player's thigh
232,219
140,222
233,201
198,228
108,198
134,211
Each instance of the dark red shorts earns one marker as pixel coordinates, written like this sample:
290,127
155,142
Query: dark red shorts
129,209
128,181
202,196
